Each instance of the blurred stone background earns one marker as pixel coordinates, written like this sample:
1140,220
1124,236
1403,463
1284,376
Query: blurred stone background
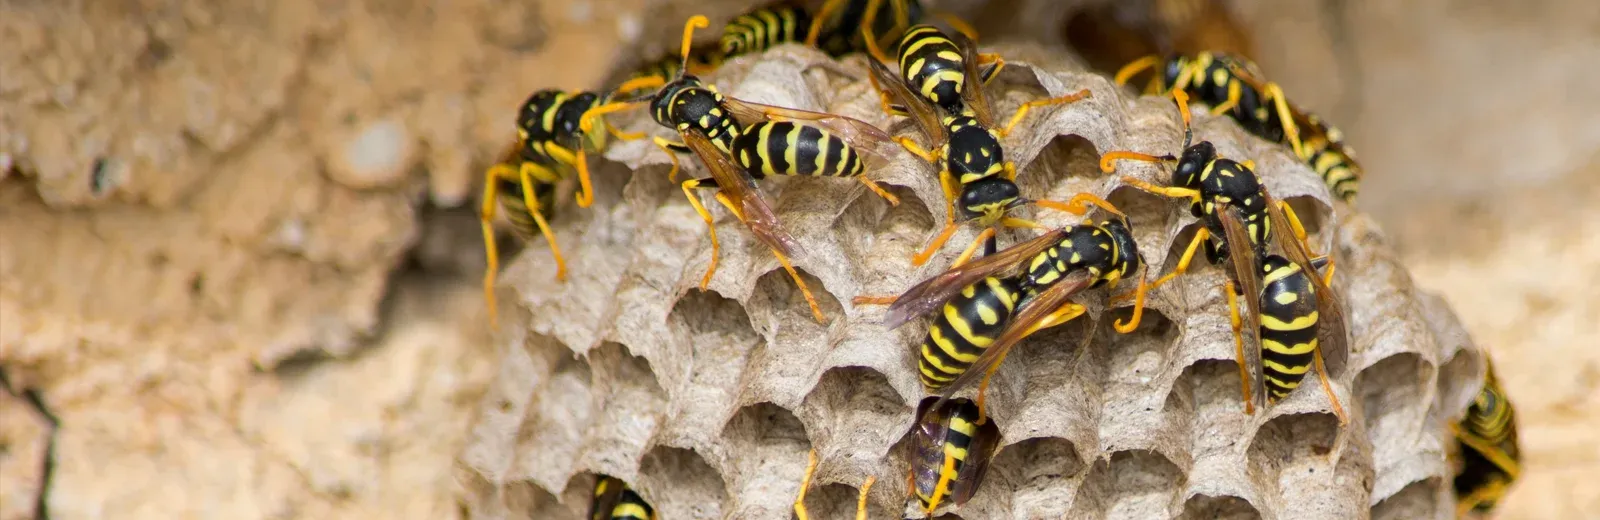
239,256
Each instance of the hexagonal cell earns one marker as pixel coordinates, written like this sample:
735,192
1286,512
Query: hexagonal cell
1135,414
1290,447
1048,385
1221,508
1420,499
552,432
1038,474
1066,166
679,483
838,501
896,232
632,405
1459,381
521,500
768,446
718,333
854,417
1391,402
777,292
1134,484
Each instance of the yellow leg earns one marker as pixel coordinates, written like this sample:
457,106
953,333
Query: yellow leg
585,193
1134,67
893,200
1014,222
535,211
1235,91
823,14
973,248
961,26
636,84
1200,237
667,147
1108,161
1238,348
873,300
1079,204
861,503
688,192
1291,131
1300,235
989,74
811,301
1493,490
1023,110
1165,191
1138,309
805,482
947,182
586,121
1327,386
946,472
1066,313
915,149
622,136
490,250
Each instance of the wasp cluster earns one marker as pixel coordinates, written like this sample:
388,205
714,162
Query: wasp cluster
707,402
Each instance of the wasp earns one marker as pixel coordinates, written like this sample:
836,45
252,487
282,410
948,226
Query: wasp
740,142
950,453
1233,86
1488,450
764,28
940,72
614,500
983,311
1242,221
550,147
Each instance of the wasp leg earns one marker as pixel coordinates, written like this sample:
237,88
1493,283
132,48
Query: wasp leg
805,482
579,159
874,300
1108,161
811,300
988,233
1291,131
621,135
1488,450
915,149
947,182
586,121
826,11
688,191
1235,91
1138,309
893,200
1300,235
861,503
1200,237
1327,386
490,250
1134,67
1062,315
1023,110
672,150
1165,191
1238,347
528,173
1490,491
1079,204
996,64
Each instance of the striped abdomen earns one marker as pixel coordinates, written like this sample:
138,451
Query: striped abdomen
785,148
1326,152
611,504
516,209
960,430
1288,325
964,327
933,67
1490,417
764,28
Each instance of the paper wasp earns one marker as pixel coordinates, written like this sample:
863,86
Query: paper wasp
1489,455
740,142
950,453
1240,217
938,72
613,500
1234,86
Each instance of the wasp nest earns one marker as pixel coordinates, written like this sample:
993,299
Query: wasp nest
707,402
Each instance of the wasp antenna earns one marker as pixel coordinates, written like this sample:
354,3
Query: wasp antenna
1182,99
698,21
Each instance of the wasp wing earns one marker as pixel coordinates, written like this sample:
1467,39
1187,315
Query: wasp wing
980,449
927,458
1333,342
875,144
972,90
932,293
1247,274
740,190
917,108
1022,325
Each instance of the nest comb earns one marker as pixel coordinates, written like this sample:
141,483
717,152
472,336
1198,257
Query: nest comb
708,402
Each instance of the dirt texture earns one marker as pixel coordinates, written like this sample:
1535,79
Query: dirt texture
225,272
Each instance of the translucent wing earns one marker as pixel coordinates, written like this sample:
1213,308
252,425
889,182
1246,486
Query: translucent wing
1021,326
928,458
1333,342
737,186
977,464
920,111
875,144
932,293
972,93
1246,273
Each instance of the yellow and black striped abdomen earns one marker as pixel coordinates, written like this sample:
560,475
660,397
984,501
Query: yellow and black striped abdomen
763,29
509,193
786,148
933,67
614,500
1490,417
959,433
964,327
1288,325
1325,151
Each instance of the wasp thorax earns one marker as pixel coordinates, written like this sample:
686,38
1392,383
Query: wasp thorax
1127,249
661,104
972,149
